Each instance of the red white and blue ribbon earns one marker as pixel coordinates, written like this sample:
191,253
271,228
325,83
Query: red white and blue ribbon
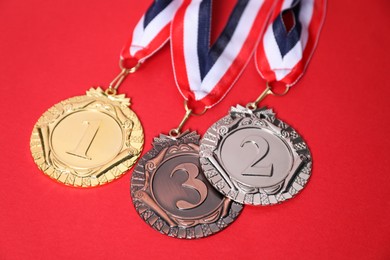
283,53
203,73
151,33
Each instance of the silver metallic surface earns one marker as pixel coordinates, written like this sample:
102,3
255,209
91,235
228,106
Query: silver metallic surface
254,158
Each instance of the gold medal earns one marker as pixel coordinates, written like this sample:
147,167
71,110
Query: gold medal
87,141
91,140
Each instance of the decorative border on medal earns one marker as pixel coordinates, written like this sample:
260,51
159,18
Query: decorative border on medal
238,191
163,221
117,106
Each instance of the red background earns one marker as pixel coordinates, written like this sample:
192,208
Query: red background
53,50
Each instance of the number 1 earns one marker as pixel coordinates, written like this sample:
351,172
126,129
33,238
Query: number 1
85,143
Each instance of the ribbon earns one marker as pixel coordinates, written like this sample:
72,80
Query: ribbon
289,40
203,73
150,34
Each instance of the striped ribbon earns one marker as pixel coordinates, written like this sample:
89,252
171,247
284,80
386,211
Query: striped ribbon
283,53
151,33
203,73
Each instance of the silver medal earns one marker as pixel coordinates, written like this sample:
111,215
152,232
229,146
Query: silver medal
254,158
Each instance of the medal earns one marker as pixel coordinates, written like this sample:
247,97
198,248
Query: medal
254,158
168,187
250,155
171,194
90,140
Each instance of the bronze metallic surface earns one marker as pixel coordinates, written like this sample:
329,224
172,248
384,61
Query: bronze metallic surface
172,195
255,158
87,141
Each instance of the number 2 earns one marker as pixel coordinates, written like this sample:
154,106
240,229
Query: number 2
262,150
192,183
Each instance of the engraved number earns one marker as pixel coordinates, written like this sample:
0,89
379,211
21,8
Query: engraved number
192,183
262,149
84,144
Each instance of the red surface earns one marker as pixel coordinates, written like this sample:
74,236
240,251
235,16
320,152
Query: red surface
52,50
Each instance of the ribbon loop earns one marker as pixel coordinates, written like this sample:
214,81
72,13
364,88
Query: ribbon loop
285,49
203,73
150,34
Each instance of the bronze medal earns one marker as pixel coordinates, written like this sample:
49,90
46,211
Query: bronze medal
171,194
87,141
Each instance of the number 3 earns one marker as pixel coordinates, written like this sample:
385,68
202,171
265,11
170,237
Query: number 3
193,171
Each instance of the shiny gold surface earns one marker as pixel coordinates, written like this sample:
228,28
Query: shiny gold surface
87,141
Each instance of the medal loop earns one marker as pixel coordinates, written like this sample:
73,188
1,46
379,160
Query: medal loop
176,131
114,85
130,70
193,110
110,92
268,90
117,81
189,112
